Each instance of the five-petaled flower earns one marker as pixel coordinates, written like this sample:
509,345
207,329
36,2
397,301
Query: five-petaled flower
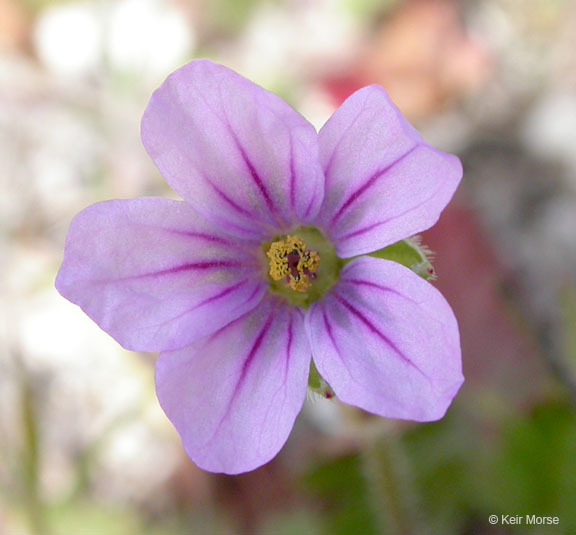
266,265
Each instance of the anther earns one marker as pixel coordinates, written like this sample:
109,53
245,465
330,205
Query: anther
291,260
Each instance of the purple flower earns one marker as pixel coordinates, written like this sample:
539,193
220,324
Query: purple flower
267,264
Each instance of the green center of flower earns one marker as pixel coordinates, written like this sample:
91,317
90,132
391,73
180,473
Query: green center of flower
302,266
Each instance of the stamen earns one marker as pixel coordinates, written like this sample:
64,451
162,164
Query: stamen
291,260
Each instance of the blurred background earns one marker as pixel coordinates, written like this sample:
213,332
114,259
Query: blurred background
84,446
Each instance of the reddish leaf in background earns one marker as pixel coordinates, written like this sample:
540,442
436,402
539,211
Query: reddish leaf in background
500,355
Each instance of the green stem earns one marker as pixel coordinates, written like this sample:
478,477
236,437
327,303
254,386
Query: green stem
31,454
388,479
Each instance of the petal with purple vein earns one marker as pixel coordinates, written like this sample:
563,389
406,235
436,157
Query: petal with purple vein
387,342
155,275
234,396
383,182
239,154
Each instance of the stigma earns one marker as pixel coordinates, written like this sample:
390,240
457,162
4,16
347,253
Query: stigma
290,260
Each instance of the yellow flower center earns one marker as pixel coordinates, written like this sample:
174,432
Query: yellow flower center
290,260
